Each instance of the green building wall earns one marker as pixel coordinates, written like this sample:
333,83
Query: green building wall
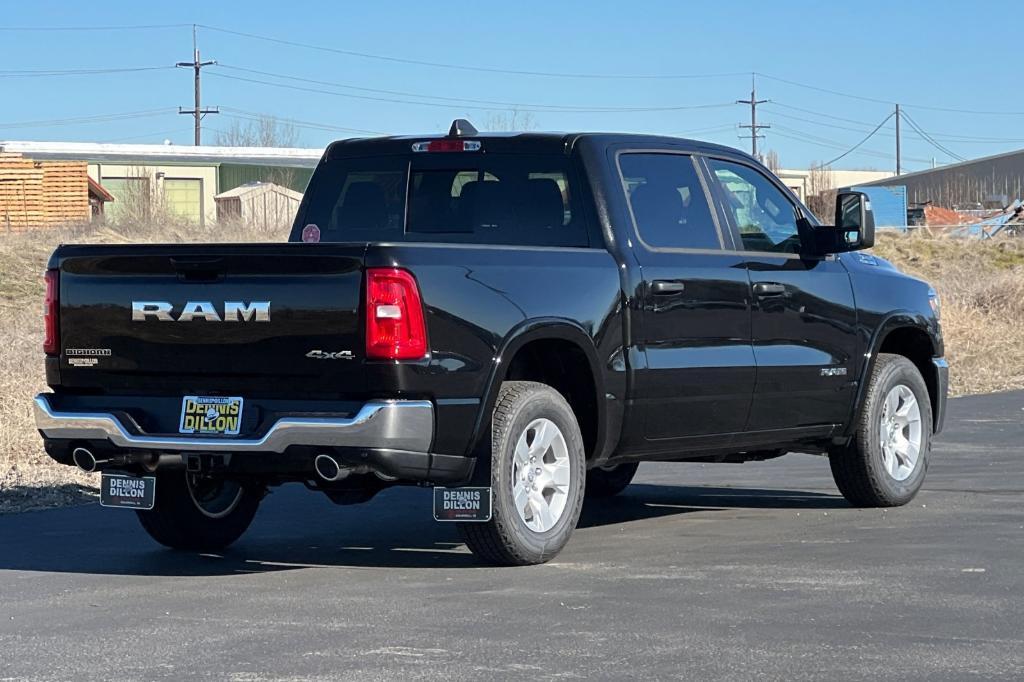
232,175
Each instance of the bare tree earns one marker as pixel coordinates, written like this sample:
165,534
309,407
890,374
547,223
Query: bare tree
771,159
512,120
267,131
821,191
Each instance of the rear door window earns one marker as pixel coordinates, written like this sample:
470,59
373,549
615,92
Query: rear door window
667,201
477,199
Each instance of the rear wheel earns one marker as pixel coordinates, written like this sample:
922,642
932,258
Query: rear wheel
608,481
884,465
537,477
200,512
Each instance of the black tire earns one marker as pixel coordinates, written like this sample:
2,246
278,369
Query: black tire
506,540
605,482
858,468
177,521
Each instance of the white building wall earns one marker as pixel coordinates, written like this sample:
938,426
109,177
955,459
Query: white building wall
157,174
798,180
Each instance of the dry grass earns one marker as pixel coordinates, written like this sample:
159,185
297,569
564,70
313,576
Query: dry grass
28,477
981,283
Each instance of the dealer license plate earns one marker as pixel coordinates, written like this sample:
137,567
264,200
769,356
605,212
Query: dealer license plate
210,415
462,504
127,492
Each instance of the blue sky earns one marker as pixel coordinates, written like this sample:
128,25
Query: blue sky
926,55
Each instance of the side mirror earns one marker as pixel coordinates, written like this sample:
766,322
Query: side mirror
854,227
855,222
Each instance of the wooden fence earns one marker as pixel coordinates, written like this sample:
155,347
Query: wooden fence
39,194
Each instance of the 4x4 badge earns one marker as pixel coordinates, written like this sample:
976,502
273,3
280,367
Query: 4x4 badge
325,355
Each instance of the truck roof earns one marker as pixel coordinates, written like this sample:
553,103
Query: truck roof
520,143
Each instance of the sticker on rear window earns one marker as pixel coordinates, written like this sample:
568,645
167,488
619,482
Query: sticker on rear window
311,234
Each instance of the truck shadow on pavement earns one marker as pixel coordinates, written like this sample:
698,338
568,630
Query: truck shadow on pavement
296,530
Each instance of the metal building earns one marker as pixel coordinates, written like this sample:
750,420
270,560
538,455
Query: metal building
966,185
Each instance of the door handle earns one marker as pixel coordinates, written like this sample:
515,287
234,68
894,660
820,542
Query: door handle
665,287
764,289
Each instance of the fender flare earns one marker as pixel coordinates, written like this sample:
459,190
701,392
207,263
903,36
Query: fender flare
538,329
897,319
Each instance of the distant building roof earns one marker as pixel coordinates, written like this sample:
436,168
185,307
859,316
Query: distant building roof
259,187
166,153
97,191
948,167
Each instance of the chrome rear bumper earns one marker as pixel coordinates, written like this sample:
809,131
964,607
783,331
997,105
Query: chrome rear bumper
406,425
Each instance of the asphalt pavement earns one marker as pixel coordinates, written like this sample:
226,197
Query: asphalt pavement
721,571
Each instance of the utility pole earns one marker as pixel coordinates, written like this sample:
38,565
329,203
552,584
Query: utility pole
197,111
754,127
899,165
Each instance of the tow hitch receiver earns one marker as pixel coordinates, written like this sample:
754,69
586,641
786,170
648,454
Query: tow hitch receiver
462,504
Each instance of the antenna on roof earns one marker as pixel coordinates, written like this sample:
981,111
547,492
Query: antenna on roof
462,128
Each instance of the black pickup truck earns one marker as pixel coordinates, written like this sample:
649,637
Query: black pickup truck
513,320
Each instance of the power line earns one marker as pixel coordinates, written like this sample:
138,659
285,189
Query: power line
42,73
889,102
928,138
465,67
776,103
946,137
482,69
467,106
801,136
143,135
130,27
256,116
709,129
98,118
460,101
854,147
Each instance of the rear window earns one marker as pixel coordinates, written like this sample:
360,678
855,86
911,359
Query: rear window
476,199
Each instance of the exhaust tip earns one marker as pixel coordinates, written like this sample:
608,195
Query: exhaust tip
84,460
328,468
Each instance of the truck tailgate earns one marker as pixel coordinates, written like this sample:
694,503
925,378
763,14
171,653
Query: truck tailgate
276,319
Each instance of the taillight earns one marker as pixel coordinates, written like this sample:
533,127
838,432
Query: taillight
395,329
51,342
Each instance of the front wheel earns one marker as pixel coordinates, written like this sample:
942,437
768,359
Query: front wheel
537,477
200,512
885,462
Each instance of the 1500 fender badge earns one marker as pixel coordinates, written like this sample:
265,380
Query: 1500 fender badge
833,371
325,355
